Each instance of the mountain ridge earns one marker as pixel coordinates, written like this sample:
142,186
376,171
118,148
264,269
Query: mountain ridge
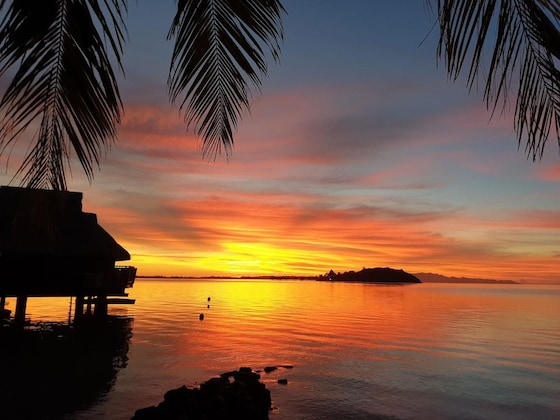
440,278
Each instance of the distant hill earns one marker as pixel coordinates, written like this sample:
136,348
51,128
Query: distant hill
366,275
372,275
438,278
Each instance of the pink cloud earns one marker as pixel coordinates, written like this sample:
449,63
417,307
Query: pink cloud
550,173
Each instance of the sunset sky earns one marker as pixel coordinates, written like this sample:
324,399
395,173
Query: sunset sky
358,152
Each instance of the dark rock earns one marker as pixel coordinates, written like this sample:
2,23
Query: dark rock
228,374
214,386
217,398
287,366
269,369
283,381
174,396
146,413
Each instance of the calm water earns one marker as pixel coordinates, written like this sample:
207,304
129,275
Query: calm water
359,351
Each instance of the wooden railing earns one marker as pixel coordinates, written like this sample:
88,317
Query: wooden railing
125,275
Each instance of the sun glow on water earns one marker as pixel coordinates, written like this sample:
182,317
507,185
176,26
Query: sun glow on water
391,350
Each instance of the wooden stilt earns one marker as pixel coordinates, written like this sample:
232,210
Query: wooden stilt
21,305
100,306
70,311
3,314
88,306
79,311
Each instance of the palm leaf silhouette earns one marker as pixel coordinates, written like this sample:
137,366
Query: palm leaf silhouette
526,44
64,88
64,94
217,59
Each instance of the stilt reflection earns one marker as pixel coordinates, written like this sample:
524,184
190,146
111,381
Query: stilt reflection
50,370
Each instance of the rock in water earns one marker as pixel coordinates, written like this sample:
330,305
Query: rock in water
218,398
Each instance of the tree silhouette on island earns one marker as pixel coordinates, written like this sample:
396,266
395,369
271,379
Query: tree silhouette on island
372,275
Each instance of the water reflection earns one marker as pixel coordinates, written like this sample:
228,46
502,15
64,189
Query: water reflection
359,351
50,369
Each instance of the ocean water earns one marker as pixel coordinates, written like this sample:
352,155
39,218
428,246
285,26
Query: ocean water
358,351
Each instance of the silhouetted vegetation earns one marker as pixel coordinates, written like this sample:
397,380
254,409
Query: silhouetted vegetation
61,56
372,275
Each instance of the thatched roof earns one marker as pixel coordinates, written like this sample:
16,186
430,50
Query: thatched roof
36,222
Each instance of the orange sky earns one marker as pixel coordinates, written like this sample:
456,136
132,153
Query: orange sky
277,208
357,153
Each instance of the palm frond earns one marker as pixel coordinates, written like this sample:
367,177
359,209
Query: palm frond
65,89
525,51
218,57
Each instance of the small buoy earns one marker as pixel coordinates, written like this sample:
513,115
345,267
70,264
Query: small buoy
208,306
201,317
208,298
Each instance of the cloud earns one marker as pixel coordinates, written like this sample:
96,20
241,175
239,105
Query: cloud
408,175
549,173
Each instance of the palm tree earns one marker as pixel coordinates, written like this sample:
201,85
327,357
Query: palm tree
62,52
524,41
64,82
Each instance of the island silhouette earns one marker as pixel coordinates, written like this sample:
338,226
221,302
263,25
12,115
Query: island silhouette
421,277
372,275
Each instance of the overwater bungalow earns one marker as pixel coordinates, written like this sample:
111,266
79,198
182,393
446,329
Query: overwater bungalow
50,247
